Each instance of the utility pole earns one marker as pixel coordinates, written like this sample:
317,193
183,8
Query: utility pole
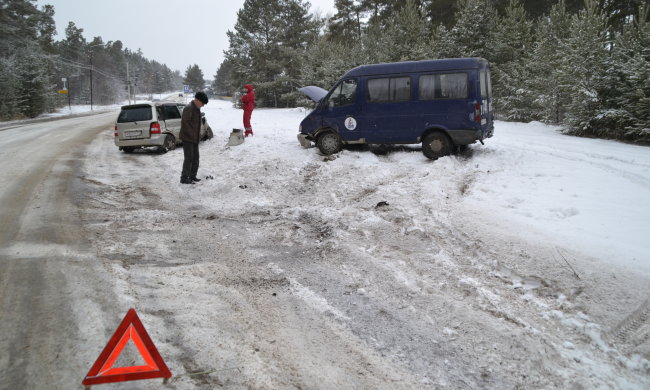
91,72
91,81
69,104
128,82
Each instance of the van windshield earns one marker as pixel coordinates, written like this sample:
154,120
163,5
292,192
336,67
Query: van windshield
134,114
344,93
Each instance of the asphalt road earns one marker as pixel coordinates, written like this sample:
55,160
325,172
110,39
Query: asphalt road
40,246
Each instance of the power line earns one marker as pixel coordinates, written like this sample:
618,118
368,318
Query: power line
104,73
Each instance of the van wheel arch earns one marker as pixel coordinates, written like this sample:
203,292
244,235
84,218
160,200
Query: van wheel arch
436,143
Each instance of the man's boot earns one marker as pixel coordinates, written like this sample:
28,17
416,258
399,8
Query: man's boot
194,178
186,180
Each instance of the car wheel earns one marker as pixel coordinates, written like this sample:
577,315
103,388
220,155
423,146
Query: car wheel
436,145
169,144
329,143
127,149
209,134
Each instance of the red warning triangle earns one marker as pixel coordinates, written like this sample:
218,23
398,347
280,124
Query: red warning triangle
130,328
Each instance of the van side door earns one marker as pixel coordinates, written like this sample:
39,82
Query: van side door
389,109
342,110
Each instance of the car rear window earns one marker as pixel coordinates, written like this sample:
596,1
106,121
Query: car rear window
134,114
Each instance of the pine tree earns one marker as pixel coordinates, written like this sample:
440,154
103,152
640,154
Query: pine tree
625,90
512,41
407,37
34,89
442,12
346,25
194,78
327,60
472,34
268,45
582,66
547,95
9,88
222,84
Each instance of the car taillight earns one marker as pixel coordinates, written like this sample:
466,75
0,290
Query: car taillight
116,130
154,128
477,112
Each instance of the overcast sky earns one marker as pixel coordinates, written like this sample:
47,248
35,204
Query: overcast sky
172,32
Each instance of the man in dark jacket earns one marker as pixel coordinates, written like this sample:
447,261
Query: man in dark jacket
190,134
248,102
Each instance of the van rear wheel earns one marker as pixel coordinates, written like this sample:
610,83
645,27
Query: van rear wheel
329,143
436,145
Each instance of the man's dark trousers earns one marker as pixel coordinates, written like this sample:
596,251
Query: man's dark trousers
191,162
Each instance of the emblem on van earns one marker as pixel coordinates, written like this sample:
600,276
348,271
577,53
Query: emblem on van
350,123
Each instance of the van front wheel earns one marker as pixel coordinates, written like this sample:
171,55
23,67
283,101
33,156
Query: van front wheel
329,143
436,145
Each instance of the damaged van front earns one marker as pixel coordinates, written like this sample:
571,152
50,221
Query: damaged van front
311,121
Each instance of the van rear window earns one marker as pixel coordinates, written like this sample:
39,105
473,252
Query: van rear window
443,86
134,114
389,89
486,84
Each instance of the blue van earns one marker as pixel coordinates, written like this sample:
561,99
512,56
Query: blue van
442,104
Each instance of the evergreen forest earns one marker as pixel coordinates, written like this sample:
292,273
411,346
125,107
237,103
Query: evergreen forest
33,65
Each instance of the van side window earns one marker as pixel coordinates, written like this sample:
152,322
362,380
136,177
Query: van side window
389,89
443,86
344,93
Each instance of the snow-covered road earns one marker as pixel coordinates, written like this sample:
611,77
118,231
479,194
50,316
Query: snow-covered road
519,264
42,249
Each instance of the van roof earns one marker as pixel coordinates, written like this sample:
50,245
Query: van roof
417,66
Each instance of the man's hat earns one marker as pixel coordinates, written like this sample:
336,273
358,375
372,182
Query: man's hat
202,97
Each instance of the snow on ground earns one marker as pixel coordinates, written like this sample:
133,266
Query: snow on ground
521,262
591,195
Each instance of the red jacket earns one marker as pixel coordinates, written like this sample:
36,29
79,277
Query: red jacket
248,100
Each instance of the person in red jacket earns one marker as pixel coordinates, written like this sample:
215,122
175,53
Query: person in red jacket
248,102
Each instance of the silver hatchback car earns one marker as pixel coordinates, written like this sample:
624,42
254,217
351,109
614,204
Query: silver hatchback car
156,124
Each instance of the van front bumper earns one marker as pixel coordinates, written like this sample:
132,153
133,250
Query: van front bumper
305,140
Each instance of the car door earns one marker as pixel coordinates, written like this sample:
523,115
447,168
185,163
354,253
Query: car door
342,110
172,119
